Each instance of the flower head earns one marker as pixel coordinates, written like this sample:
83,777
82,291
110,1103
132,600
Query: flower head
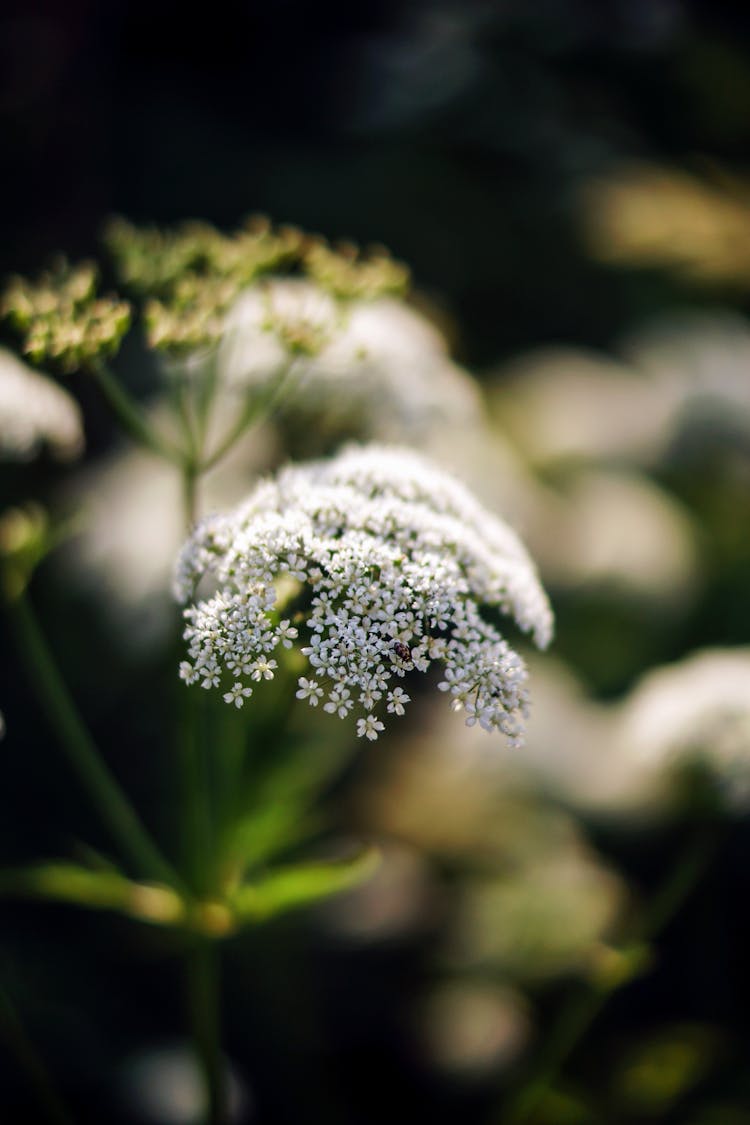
62,319
393,559
696,710
371,369
34,411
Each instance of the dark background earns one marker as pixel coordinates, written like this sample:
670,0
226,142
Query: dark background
452,132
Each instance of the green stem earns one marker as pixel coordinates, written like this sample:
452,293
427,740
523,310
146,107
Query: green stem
196,808
190,494
202,958
591,996
131,417
114,808
575,1019
18,1042
203,992
257,406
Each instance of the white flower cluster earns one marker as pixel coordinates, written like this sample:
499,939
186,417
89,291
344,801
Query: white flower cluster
394,558
34,410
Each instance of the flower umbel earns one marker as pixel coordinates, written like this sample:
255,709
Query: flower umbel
395,559
62,319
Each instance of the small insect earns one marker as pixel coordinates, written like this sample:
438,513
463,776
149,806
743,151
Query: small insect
402,651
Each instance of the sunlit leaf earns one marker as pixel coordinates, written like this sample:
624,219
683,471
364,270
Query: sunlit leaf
95,889
290,887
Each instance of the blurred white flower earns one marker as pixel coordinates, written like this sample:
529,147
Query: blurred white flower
700,362
472,1028
565,404
35,411
696,710
163,1086
539,920
375,370
272,322
398,557
573,755
684,371
133,525
615,529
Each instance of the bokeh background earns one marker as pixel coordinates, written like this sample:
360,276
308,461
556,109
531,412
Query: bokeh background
567,182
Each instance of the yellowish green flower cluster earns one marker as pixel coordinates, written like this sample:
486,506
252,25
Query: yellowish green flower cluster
153,261
347,273
191,275
62,319
187,278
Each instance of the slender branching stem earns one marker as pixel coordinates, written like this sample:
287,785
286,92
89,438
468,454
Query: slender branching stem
131,417
202,958
114,808
190,477
257,406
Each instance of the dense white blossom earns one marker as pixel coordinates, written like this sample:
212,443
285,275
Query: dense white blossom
34,411
392,559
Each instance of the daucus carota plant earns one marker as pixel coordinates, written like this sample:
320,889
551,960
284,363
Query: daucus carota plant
373,565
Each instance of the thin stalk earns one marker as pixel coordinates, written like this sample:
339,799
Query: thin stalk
255,407
131,417
206,395
202,958
28,1059
190,475
591,996
577,1016
197,829
114,808
203,994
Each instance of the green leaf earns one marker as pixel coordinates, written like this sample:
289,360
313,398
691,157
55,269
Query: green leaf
288,888
262,834
103,889
280,805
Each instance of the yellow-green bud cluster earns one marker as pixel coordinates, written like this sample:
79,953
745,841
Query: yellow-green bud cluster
153,262
62,319
194,273
349,274
188,279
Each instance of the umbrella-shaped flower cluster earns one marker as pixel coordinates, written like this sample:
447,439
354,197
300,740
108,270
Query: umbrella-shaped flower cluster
394,565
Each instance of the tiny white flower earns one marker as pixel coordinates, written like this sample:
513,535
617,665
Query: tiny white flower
369,727
187,672
397,700
286,633
263,669
238,694
339,702
369,697
309,690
